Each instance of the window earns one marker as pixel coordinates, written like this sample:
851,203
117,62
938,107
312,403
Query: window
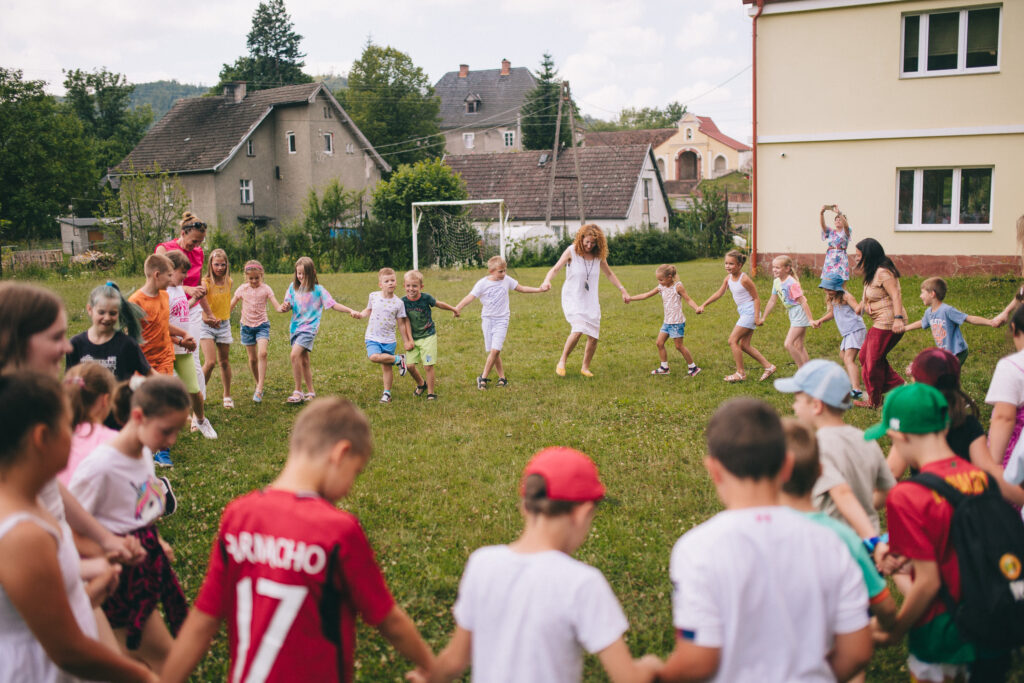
327,113
472,106
250,149
291,142
245,187
350,148
510,138
944,199
647,188
957,41
329,143
467,140
689,133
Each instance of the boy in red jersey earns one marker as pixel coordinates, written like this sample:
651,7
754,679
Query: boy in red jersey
289,571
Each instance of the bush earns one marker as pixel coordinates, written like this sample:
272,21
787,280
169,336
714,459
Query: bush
707,223
524,256
650,246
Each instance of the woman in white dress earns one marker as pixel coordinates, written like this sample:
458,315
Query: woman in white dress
584,260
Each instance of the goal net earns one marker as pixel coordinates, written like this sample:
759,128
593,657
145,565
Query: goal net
450,234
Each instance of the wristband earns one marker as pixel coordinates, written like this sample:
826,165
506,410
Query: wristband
898,317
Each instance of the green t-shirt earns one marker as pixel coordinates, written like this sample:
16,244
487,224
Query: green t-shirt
872,579
420,320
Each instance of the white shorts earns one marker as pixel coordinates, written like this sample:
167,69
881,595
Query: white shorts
495,330
927,672
854,340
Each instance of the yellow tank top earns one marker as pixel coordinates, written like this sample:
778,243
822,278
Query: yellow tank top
218,297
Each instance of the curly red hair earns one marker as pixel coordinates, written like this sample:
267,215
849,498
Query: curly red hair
600,249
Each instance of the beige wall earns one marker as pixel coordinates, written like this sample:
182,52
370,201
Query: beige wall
706,148
484,140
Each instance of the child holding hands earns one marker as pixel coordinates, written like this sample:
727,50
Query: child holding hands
421,333
674,324
384,310
787,289
943,320
846,311
255,325
215,333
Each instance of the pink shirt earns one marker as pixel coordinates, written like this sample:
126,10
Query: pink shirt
195,258
254,303
86,437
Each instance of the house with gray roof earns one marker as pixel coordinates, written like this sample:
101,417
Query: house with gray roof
255,156
622,187
480,109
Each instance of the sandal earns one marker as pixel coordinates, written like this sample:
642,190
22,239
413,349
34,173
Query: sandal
735,377
420,389
768,372
502,382
431,397
586,373
560,370
309,397
229,402
296,397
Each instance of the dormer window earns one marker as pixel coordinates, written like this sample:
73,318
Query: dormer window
473,104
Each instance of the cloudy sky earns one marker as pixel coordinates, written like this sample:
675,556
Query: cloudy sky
615,53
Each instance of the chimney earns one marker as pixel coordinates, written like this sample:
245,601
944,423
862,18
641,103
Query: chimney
235,90
463,70
505,67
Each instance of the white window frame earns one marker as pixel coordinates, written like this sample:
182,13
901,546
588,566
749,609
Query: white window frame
954,224
250,148
245,191
961,45
509,138
468,140
329,143
289,138
350,148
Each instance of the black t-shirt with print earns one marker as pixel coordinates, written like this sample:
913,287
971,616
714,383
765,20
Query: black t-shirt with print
121,355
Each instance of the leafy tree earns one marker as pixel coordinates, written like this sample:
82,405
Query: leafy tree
539,112
393,103
336,209
161,95
651,117
149,204
274,57
45,158
101,100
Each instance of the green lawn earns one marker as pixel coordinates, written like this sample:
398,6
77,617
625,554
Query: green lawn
443,479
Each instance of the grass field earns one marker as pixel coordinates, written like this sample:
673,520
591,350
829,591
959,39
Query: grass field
443,478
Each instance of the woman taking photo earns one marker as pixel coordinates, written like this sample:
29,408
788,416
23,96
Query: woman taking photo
883,301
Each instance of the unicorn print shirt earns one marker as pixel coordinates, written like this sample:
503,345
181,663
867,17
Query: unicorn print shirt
120,491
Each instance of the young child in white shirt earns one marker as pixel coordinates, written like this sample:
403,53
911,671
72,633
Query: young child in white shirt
493,294
527,610
384,309
184,364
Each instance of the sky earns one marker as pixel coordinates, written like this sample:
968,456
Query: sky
614,53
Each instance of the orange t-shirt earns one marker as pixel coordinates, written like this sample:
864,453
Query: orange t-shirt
156,332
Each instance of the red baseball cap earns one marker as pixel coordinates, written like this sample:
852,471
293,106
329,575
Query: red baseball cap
936,367
569,474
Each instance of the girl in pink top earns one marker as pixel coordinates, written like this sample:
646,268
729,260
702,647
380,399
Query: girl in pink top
89,387
255,327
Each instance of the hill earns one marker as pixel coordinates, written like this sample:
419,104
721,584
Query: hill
161,95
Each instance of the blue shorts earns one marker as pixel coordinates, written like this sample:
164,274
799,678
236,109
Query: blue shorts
747,315
674,330
373,347
251,334
303,338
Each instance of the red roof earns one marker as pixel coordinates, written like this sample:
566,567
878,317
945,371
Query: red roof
708,127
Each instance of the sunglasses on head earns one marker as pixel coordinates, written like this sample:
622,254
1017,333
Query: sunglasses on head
198,225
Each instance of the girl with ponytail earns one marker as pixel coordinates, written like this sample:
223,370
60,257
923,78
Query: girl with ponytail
112,340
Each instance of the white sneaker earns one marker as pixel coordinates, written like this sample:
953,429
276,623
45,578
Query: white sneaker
206,429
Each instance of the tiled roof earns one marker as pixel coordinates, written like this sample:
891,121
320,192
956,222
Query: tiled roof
708,127
501,97
610,176
648,136
203,133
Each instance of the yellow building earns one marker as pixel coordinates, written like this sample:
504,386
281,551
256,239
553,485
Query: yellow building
907,114
698,150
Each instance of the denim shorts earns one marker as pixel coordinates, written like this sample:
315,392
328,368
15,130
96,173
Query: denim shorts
220,333
674,330
303,338
373,347
249,335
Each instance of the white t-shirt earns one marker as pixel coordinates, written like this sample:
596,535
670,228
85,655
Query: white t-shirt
180,315
384,315
847,458
771,589
1007,381
121,492
532,614
493,295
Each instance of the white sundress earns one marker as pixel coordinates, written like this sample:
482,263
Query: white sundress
579,294
23,657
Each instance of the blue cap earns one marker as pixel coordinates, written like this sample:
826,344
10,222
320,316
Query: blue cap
824,380
832,282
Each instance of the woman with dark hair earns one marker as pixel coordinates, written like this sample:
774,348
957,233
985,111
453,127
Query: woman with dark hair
883,301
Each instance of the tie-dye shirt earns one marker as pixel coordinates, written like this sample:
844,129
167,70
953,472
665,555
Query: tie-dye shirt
307,308
788,291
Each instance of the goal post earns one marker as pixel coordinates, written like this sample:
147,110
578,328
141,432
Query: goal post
417,218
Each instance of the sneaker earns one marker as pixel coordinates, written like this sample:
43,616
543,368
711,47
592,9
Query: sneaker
660,370
385,397
856,394
257,396
694,371
481,383
206,429
170,501
163,458
402,367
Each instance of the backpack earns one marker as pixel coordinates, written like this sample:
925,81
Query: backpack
988,536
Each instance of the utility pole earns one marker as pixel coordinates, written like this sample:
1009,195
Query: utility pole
575,152
554,161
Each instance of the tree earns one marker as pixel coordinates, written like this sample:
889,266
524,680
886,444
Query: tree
274,57
149,204
539,112
393,103
45,158
102,102
337,209
651,117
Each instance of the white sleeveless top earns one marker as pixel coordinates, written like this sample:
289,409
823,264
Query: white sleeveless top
22,658
579,294
739,293
672,304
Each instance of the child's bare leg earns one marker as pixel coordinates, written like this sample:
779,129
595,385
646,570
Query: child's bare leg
156,642
428,370
588,352
250,351
849,357
197,406
749,349
209,348
307,371
681,348
388,375
498,366
489,363
224,359
660,343
383,358
416,376
297,373
570,344
735,339
795,345
261,362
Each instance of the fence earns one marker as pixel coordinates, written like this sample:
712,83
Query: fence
43,258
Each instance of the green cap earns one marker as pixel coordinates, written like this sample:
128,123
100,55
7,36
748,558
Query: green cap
911,409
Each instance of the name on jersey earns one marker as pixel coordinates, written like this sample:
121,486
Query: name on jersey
277,553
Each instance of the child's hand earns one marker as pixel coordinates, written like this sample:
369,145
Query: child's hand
625,297
998,320
545,286
356,315
455,312
882,637
410,345
103,585
815,324
188,342
210,319
168,551
758,321
417,676
700,309
124,549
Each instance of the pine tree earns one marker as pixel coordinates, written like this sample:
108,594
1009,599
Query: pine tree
275,58
540,110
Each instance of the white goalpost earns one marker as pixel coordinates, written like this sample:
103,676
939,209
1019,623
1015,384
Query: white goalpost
449,226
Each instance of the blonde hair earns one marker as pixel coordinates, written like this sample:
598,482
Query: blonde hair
385,271
737,256
935,285
157,263
178,260
600,250
325,422
309,282
666,270
784,260
495,262
413,275
217,253
835,296
84,384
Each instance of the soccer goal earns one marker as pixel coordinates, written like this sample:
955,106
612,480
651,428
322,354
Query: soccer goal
446,235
